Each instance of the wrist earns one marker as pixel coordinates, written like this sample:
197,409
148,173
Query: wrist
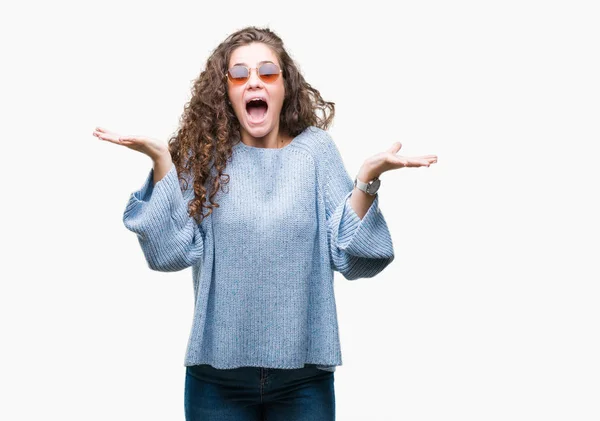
366,173
163,156
367,180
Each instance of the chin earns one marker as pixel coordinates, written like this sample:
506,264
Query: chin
258,131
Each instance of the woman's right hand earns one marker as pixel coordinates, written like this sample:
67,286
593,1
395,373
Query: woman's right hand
155,149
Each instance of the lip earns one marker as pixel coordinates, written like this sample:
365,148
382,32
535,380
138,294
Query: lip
250,98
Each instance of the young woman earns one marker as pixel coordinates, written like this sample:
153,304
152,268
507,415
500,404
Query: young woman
264,341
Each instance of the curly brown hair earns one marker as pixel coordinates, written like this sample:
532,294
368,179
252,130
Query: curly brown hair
209,128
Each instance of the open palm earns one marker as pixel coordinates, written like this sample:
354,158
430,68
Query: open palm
389,160
146,145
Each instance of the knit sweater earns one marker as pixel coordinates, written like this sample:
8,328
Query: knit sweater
263,262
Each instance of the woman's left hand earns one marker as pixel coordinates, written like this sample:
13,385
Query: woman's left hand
388,160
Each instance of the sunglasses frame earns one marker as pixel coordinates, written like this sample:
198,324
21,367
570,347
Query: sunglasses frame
250,72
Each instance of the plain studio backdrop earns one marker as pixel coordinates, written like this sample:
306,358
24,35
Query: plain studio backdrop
490,309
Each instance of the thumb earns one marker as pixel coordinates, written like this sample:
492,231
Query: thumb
395,147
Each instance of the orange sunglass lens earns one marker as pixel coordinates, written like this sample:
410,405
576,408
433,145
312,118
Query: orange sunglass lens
268,72
238,74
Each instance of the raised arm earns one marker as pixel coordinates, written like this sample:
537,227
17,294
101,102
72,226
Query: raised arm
157,212
170,239
359,248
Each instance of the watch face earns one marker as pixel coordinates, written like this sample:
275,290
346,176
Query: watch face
374,186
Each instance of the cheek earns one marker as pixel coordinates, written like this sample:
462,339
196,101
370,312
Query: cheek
234,98
231,94
280,95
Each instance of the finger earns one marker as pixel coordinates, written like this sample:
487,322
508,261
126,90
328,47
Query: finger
403,161
424,159
106,134
395,147
413,162
128,139
398,161
100,135
110,139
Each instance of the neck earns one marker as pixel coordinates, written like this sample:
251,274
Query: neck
273,140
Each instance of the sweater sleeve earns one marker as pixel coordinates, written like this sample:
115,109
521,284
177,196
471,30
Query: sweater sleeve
170,239
359,248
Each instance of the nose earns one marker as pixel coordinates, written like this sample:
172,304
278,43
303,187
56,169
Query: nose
254,81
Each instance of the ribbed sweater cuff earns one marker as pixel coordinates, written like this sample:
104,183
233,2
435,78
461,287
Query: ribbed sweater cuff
147,207
366,237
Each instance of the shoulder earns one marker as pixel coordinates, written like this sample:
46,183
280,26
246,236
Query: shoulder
323,151
317,135
318,143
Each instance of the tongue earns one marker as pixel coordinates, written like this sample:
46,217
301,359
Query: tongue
257,112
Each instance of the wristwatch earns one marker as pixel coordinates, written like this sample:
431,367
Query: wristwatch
370,188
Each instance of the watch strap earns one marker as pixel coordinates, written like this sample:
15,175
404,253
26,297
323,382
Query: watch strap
367,187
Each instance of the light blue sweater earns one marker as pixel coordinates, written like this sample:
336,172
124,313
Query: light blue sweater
263,262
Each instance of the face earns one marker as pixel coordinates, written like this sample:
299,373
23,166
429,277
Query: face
256,120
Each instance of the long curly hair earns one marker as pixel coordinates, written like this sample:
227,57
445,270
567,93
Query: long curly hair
208,128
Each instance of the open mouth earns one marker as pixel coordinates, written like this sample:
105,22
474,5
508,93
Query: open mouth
256,109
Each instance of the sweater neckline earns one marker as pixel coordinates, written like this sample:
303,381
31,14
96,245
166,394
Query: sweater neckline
242,145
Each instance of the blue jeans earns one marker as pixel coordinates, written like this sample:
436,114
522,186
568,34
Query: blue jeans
259,394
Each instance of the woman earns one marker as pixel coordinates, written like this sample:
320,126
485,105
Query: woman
264,340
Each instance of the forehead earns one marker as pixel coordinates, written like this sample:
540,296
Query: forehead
252,54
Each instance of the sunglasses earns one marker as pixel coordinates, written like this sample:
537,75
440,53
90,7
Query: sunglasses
268,72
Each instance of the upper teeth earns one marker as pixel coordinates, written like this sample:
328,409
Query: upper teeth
256,99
